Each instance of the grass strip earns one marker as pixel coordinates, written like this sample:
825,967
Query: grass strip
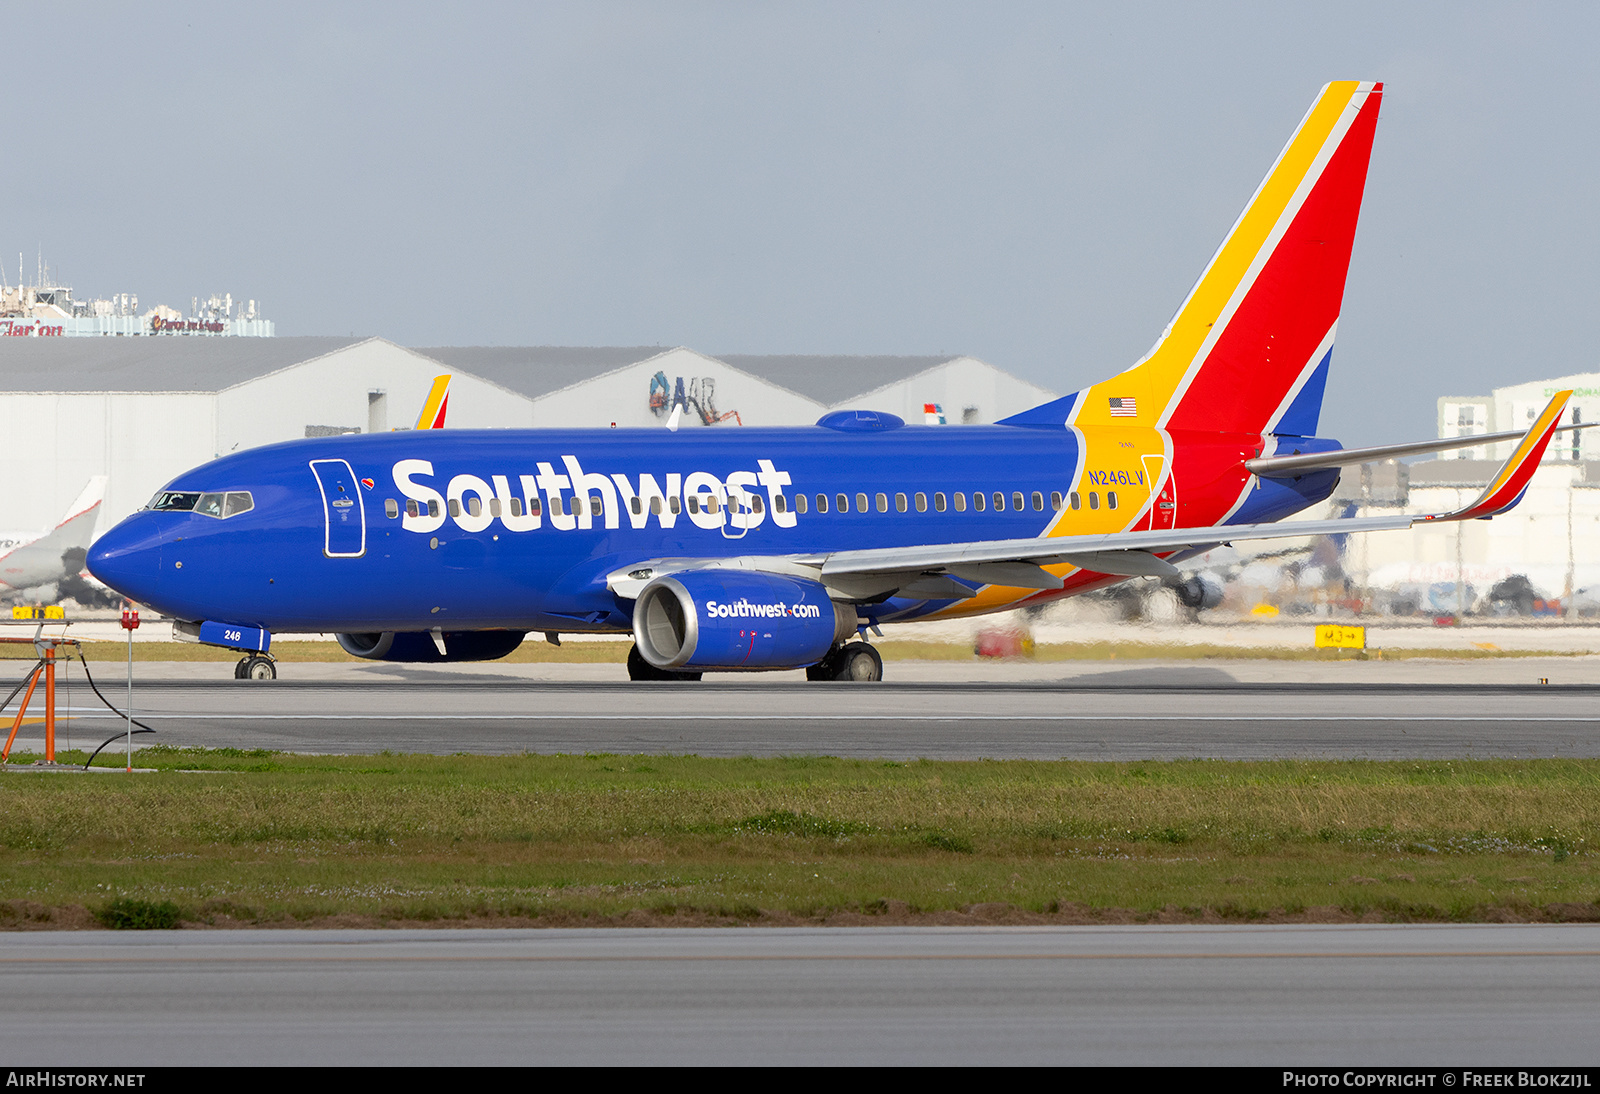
226,837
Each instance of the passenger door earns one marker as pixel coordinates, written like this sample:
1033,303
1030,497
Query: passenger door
343,511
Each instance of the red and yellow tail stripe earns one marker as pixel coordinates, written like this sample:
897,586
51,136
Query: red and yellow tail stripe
1507,487
1258,321
438,401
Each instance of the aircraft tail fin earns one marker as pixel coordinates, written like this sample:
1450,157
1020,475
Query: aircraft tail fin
437,402
1248,350
92,494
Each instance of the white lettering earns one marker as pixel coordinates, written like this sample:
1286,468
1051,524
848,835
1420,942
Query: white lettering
775,480
707,488
460,487
582,484
552,484
423,495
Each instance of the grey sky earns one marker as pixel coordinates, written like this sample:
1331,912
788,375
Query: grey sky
1037,185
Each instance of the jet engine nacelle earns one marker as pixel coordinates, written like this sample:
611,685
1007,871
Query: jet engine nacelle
734,619
420,646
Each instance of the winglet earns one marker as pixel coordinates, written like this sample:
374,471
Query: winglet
1511,482
434,407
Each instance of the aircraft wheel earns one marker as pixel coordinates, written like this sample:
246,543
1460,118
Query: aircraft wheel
242,669
259,668
640,669
856,662
860,663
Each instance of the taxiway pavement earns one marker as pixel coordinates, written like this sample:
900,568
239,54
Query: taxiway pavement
1226,710
1450,996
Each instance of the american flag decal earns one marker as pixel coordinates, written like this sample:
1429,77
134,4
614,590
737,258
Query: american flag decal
1124,408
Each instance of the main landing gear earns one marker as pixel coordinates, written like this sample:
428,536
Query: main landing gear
255,667
640,669
856,662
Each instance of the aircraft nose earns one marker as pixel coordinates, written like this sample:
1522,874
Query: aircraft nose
128,558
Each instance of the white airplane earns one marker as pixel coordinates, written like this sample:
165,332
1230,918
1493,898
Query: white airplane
55,556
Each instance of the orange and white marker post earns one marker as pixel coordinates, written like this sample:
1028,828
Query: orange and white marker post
130,623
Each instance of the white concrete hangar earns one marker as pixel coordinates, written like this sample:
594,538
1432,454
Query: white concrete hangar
143,410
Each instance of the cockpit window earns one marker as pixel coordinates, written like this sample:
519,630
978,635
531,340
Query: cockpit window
218,504
174,500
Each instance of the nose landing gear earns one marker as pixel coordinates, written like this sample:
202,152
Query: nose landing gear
255,667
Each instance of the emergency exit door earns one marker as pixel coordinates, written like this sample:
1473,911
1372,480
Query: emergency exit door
1163,512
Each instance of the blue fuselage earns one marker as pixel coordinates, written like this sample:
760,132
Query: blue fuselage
329,543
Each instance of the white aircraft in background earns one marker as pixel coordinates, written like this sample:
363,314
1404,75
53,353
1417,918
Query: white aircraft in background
29,560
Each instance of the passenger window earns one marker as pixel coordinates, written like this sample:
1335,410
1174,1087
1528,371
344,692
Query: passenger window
1094,500
999,502
978,502
1017,501
922,502
1111,499
711,505
412,508
391,508
655,507
474,506
938,502
755,503
961,502
694,503
861,503
899,503
240,501
1038,502
842,501
455,507
494,507
674,504
883,503
799,503
535,506
433,507
822,503
780,504
558,505
1075,501
636,504
516,507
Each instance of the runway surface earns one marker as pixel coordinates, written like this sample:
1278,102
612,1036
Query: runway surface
1450,996
1147,712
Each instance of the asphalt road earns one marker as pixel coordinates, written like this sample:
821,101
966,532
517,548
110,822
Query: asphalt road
1449,996
1136,714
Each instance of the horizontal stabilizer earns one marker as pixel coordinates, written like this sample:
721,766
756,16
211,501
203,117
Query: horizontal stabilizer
1271,467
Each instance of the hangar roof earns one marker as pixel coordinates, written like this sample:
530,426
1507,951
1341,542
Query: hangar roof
215,364
538,370
832,379
150,364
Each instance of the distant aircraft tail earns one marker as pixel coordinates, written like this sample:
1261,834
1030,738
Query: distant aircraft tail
60,552
434,407
1248,350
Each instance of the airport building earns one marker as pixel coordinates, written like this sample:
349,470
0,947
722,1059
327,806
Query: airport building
1552,537
142,410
